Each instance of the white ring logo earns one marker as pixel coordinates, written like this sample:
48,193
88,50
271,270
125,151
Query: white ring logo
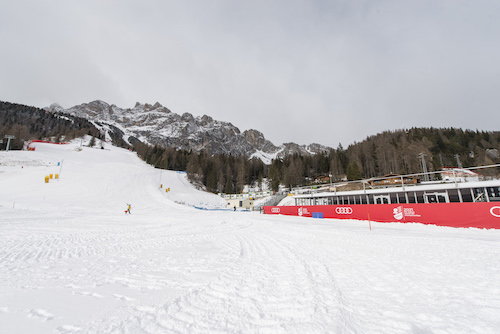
497,209
343,210
275,210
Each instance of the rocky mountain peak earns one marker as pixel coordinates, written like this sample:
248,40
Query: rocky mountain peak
187,117
257,139
205,120
54,107
157,125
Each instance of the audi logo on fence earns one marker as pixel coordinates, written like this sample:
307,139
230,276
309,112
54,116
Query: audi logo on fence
343,210
495,211
275,210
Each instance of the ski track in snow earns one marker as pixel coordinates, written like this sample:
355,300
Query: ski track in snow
71,261
267,286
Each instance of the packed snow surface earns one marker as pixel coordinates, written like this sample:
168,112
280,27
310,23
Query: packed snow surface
71,260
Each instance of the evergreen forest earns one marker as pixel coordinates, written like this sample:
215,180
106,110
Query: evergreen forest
390,152
28,123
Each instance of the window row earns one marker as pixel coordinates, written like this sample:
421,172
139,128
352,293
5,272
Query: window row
484,194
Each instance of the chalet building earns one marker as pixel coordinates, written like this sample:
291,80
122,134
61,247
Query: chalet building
322,179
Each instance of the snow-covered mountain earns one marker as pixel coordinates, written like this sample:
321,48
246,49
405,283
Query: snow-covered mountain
157,125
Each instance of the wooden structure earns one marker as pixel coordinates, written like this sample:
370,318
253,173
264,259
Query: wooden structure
392,180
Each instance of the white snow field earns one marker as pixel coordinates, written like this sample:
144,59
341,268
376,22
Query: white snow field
71,260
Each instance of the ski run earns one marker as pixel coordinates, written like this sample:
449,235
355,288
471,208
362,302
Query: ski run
71,260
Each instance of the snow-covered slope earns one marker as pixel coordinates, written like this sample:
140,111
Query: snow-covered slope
71,260
88,174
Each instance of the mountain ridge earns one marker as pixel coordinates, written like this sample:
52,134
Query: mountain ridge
157,125
398,151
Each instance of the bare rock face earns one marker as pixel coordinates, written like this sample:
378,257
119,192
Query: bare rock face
257,139
157,125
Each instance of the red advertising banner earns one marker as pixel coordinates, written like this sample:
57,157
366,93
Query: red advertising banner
46,142
478,214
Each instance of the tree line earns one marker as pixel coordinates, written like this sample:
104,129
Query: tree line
216,173
27,123
397,152
390,152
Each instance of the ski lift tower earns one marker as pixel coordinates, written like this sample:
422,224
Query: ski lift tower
424,167
459,164
8,137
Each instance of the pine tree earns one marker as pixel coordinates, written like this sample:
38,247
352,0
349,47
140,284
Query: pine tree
353,171
241,173
274,175
211,180
228,188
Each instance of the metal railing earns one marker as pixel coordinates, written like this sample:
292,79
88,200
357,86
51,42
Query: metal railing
458,175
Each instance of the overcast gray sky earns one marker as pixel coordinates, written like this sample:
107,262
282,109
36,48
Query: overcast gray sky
328,72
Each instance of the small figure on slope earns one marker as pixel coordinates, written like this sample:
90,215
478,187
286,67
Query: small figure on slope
128,208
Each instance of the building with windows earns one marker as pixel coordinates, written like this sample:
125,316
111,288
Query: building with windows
244,201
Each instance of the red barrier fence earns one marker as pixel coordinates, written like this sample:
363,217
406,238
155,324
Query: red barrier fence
30,148
46,142
478,214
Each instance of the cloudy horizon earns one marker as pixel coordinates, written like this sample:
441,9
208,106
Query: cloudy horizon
325,72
